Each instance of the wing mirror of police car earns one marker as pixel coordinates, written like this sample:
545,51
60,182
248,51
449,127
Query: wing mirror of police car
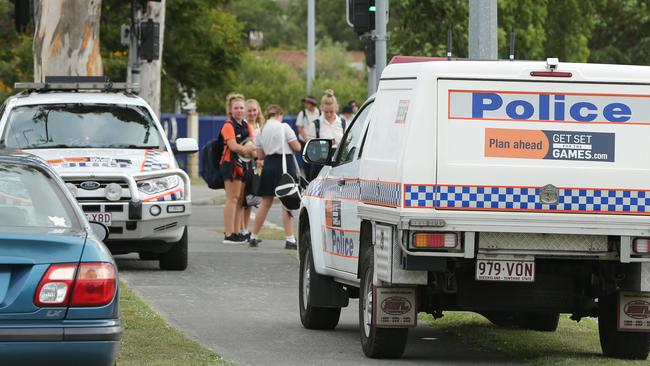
317,151
186,145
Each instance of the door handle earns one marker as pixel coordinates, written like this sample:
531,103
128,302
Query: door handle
341,182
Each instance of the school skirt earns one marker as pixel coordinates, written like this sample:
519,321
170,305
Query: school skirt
272,172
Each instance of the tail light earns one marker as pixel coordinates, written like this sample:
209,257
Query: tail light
435,240
641,245
86,284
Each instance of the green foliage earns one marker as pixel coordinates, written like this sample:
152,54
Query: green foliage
16,62
270,17
528,18
419,27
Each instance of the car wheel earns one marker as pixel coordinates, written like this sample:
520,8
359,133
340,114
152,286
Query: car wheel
539,321
149,256
627,345
312,317
376,342
175,259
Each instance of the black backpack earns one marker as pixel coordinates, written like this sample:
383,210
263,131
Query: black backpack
209,164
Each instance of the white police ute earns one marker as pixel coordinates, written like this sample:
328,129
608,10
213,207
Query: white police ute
110,149
517,190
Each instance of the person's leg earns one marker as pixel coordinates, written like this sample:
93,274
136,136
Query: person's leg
233,189
247,217
239,214
261,213
287,222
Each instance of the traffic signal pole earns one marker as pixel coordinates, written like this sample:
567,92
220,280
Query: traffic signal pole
381,37
311,44
483,29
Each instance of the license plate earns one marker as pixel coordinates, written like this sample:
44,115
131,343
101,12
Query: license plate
505,270
101,217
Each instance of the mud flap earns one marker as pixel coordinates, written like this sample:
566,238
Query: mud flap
325,292
394,307
633,311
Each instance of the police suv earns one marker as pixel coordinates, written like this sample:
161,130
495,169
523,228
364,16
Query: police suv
110,149
518,190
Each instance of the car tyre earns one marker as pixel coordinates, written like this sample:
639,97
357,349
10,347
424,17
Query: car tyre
175,259
539,321
376,342
312,317
626,345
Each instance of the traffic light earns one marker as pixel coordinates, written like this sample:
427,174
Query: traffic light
150,40
21,15
362,15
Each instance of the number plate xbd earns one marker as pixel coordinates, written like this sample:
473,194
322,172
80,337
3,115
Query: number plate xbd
505,270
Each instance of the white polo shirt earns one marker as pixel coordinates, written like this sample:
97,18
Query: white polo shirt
304,120
329,130
270,139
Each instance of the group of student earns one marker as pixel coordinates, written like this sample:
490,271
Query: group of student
255,145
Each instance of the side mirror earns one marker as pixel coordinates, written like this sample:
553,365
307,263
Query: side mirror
317,151
186,145
100,230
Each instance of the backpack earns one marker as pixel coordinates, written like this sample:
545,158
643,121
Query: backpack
209,164
317,125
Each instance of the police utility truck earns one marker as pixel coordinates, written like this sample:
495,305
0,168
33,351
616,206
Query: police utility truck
109,147
517,190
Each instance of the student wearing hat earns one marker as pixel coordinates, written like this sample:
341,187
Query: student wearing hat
306,117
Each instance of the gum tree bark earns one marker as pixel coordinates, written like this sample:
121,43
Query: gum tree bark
66,39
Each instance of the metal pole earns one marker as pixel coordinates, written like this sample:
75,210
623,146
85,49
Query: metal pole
381,18
311,43
483,30
372,81
133,70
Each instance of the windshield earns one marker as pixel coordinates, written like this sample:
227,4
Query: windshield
30,198
81,126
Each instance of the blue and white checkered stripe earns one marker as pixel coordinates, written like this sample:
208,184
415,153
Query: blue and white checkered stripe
587,200
153,161
383,193
314,188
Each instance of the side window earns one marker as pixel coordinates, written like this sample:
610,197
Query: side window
349,146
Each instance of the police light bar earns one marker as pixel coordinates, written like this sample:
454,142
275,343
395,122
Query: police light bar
76,83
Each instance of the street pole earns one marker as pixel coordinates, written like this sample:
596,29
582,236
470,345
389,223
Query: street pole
133,68
381,18
483,30
372,80
311,44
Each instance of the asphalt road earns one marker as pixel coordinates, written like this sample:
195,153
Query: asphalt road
243,304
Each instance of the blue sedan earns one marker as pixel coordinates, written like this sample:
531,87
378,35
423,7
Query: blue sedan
58,282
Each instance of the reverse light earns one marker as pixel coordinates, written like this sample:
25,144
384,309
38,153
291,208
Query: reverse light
86,284
434,240
641,245
157,185
55,286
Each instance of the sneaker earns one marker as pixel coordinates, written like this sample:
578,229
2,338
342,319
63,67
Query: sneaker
246,236
233,239
253,243
290,245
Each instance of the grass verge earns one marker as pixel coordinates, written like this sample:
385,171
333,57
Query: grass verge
572,344
149,340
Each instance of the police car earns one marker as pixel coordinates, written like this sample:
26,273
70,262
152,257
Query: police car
518,190
110,149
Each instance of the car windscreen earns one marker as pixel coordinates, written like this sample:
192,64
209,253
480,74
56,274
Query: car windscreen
81,126
31,198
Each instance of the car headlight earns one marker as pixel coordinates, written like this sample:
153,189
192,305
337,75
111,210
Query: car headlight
113,192
157,185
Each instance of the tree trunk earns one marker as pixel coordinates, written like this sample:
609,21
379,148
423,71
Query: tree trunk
150,71
66,40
